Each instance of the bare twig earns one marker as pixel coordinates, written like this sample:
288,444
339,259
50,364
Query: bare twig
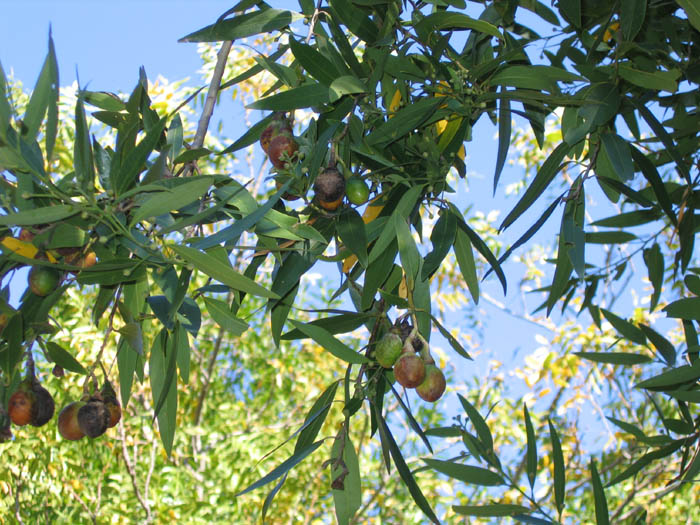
203,124
132,474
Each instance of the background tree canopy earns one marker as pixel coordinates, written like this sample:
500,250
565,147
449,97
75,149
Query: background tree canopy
239,303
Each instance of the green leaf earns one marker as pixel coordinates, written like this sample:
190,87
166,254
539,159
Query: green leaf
482,429
615,358
316,417
572,228
358,23
610,237
83,161
282,468
618,153
687,308
173,199
317,65
242,26
504,133
44,94
531,453
404,121
465,259
442,237
46,215
625,328
602,103
559,471
537,77
63,358
408,252
645,460
466,473
631,218
632,13
449,20
183,353
451,339
224,317
691,9
126,361
297,98
658,80
493,510
651,174
191,155
103,100
135,160
663,346
542,180
161,371
345,85
601,505
12,354
334,324
405,472
351,229
330,343
677,376
221,271
348,499
563,268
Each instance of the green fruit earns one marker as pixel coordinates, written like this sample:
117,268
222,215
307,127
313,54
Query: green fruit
356,190
388,349
43,281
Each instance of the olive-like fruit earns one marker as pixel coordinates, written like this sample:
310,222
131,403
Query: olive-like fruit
94,417
433,386
329,187
388,349
25,235
43,281
112,403
357,190
31,404
58,371
68,425
282,150
409,370
20,407
279,124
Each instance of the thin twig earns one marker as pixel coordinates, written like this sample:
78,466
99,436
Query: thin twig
203,124
132,474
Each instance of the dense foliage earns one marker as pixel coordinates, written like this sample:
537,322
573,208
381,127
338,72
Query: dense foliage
176,262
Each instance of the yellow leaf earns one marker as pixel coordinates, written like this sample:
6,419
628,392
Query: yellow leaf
25,249
395,102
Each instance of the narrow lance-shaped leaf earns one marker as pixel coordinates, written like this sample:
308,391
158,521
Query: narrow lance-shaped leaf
542,180
504,131
559,471
222,272
601,505
531,453
405,472
282,468
83,160
345,480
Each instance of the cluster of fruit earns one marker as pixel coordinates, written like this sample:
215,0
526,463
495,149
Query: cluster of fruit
91,417
414,367
43,280
330,187
32,404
